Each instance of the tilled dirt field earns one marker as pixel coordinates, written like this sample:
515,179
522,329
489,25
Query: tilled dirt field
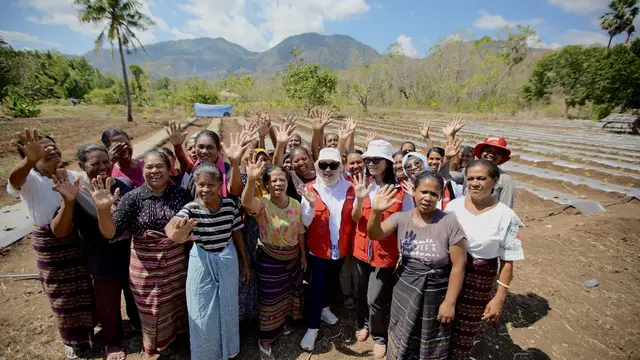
549,314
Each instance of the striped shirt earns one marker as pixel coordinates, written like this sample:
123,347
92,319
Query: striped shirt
215,227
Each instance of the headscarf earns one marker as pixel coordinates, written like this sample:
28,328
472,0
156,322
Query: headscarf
419,156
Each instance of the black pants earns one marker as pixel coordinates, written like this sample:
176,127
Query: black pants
375,289
324,273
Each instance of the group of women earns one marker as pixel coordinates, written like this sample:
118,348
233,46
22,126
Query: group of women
415,241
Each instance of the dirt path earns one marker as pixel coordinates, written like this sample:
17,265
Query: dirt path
549,314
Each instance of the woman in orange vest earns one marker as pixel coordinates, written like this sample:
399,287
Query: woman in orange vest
376,260
326,212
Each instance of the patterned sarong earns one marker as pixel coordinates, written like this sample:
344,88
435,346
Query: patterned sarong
65,280
414,331
479,277
157,275
279,289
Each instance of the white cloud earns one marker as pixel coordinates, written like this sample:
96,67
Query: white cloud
535,42
488,21
278,19
581,37
580,7
407,46
15,37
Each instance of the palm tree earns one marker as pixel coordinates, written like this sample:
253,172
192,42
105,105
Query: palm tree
630,31
121,17
619,18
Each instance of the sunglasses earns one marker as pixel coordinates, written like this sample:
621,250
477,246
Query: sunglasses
374,161
330,166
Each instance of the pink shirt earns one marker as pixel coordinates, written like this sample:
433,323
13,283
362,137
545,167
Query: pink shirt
135,175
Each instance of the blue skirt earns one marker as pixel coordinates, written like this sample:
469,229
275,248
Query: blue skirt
212,303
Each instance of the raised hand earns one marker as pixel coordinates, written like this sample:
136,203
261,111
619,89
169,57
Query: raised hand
254,171
309,195
347,128
101,194
114,151
452,129
424,130
370,137
284,132
64,187
237,146
289,120
263,124
31,148
182,229
176,133
384,199
361,188
321,118
452,147
408,187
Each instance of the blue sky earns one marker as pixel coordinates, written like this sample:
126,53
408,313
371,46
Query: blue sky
260,24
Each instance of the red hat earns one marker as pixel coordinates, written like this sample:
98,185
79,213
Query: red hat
494,141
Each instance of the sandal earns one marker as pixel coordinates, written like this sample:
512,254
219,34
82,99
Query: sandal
265,354
114,355
71,352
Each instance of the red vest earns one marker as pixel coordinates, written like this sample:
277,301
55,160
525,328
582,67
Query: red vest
447,194
384,253
318,235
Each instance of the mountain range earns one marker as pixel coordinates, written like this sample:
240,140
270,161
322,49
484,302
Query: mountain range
216,58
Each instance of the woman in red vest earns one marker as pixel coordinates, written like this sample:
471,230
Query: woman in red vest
326,212
376,260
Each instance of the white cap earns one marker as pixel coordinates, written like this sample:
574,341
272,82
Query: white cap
379,149
330,154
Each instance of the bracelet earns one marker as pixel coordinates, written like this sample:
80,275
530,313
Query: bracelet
503,285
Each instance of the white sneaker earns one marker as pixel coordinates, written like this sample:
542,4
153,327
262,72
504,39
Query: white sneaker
328,317
308,342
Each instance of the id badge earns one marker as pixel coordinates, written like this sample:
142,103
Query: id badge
370,250
335,252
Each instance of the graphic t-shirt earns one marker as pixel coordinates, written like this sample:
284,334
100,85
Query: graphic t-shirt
428,244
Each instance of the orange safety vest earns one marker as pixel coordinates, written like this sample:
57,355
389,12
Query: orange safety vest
318,235
383,253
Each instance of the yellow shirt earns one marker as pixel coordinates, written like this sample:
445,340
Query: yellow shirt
279,227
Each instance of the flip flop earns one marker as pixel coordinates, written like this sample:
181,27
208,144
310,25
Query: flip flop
264,354
70,352
110,355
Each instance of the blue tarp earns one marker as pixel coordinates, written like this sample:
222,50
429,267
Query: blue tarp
212,110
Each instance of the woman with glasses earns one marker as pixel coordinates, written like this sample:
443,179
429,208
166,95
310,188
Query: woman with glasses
326,212
376,261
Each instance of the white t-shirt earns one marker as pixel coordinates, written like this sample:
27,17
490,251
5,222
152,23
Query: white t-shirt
38,195
492,234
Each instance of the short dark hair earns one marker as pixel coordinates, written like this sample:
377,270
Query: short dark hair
40,137
156,152
492,169
109,133
210,133
356,151
168,151
403,153
428,175
408,142
329,134
85,149
436,149
266,179
298,149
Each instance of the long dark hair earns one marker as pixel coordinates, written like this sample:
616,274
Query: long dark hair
389,176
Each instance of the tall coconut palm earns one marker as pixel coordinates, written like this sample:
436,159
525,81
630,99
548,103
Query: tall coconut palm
619,18
122,18
630,31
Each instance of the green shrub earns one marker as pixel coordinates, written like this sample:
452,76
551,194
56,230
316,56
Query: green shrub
22,109
109,96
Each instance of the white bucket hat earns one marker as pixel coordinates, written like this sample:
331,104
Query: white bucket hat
329,154
379,149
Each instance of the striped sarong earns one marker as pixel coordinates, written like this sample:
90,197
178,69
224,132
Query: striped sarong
157,275
414,331
279,289
212,300
66,282
479,277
